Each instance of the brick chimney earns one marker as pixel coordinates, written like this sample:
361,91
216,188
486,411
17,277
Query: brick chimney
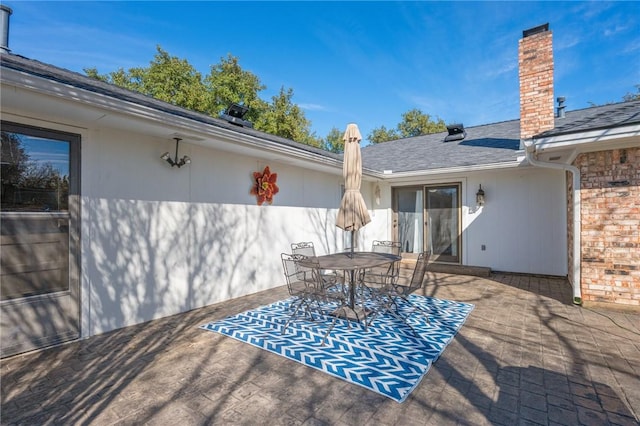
535,62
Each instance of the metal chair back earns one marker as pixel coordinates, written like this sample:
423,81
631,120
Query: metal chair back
298,281
417,278
391,247
389,296
307,285
305,248
386,272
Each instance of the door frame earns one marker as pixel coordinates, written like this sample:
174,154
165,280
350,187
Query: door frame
395,231
425,232
70,297
440,258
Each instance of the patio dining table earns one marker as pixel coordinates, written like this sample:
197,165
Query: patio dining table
352,262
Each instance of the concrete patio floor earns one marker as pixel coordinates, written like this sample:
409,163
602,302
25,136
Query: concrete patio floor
525,356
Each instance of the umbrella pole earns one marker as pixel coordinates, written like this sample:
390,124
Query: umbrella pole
353,272
352,242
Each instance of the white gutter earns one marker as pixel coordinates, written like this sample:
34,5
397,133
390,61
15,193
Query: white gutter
530,153
48,87
588,137
395,177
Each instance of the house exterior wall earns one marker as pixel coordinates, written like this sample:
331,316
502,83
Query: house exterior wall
381,213
610,221
158,240
522,224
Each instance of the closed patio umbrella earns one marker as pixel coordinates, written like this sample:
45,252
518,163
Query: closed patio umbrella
353,213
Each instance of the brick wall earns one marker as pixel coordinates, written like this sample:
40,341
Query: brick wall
535,62
610,220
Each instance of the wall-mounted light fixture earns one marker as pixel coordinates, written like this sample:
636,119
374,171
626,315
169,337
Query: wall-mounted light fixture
480,196
174,161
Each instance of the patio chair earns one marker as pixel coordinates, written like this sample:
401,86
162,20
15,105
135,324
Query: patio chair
300,285
306,285
304,248
392,247
329,278
390,291
378,275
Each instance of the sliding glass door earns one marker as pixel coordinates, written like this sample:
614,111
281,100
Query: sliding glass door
428,218
443,227
408,218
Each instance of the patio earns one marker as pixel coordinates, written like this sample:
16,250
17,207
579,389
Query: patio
524,356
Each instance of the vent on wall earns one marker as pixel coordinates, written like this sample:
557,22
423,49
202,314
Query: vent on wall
456,132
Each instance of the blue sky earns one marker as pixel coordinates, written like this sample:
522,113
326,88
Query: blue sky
362,62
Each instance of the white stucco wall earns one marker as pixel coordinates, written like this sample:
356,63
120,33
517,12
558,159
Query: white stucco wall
522,224
159,240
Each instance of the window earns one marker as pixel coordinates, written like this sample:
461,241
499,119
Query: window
38,178
34,172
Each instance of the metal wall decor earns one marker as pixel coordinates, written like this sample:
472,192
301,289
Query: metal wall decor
264,187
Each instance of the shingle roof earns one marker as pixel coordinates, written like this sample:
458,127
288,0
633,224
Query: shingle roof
487,144
595,118
493,143
50,72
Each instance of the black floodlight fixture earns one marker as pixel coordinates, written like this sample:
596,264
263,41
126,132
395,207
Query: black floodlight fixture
456,132
175,162
235,113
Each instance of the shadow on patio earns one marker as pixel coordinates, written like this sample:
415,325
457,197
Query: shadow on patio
525,354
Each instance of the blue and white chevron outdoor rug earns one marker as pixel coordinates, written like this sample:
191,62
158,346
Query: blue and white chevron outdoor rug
387,358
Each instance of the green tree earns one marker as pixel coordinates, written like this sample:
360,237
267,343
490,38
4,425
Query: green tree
119,77
414,123
286,119
334,142
382,134
228,83
174,80
632,96
167,78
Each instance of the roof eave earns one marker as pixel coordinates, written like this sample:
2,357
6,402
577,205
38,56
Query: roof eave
230,137
587,140
393,177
